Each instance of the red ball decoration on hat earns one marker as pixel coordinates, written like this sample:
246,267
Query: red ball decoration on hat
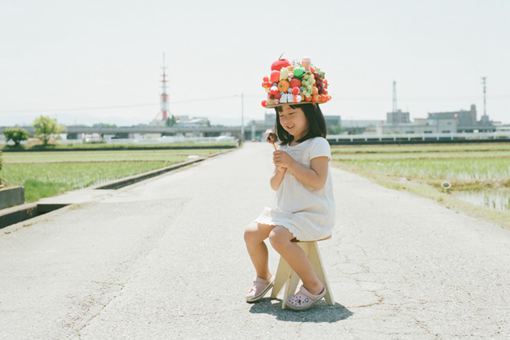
295,83
275,76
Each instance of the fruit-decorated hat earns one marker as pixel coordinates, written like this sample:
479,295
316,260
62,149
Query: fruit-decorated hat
295,83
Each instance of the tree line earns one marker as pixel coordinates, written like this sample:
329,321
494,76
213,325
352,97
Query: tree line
45,128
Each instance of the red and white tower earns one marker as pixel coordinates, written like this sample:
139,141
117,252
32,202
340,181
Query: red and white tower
164,95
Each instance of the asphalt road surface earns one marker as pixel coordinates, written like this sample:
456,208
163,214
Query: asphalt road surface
165,259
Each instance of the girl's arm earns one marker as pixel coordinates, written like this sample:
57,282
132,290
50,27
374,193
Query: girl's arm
277,178
313,177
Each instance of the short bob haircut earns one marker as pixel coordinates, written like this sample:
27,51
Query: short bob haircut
316,123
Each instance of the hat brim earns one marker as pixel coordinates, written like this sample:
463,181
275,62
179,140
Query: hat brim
293,104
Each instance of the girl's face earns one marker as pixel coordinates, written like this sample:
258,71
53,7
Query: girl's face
293,121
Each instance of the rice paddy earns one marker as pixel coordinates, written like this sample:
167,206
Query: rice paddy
44,174
476,174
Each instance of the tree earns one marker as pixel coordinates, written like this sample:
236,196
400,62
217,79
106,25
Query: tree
334,129
16,135
170,121
46,127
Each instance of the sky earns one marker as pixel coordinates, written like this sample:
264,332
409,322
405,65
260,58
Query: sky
85,62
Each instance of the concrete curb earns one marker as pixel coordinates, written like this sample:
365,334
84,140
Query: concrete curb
11,196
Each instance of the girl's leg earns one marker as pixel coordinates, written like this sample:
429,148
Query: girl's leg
254,237
296,258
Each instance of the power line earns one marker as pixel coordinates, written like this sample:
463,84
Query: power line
194,100
88,108
85,108
423,98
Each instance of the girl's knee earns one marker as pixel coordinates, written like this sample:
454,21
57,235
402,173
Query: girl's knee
255,234
280,237
249,234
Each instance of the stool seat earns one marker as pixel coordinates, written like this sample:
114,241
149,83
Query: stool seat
285,275
321,239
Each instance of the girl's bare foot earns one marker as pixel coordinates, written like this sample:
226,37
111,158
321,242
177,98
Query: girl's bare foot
267,277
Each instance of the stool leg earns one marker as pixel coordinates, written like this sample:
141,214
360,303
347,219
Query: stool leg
316,261
282,275
293,280
290,289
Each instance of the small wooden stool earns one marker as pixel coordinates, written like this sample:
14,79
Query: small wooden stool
285,274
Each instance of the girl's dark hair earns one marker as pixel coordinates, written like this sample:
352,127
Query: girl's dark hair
316,123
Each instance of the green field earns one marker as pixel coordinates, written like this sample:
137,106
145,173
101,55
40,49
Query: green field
468,166
480,168
50,173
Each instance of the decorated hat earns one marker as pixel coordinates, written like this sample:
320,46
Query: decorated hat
295,83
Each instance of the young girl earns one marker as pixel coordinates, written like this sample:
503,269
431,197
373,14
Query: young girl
305,203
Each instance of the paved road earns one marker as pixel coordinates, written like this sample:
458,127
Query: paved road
165,259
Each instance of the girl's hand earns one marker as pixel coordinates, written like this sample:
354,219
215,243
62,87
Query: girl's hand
280,169
282,159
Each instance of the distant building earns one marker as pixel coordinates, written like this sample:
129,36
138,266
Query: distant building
269,118
500,127
422,126
333,120
333,125
442,122
463,120
257,127
397,117
357,126
186,121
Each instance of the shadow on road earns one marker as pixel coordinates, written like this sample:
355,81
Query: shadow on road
321,312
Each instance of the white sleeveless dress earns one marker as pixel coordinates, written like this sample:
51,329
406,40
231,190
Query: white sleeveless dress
308,214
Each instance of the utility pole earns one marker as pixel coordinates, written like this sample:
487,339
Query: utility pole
394,96
484,83
242,117
164,94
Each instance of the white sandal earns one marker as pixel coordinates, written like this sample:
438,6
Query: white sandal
303,299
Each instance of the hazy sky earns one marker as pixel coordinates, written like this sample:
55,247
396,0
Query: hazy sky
99,61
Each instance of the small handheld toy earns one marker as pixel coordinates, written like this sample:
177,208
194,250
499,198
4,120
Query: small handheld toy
271,137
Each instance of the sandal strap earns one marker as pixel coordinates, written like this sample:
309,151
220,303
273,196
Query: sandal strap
261,280
304,298
306,292
259,284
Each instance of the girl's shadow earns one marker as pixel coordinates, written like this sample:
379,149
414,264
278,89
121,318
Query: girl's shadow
320,312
